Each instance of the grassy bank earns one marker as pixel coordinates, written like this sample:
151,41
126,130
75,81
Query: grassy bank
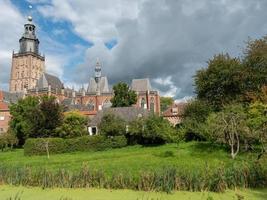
30,193
130,159
188,166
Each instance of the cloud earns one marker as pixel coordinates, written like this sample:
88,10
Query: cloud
10,23
164,40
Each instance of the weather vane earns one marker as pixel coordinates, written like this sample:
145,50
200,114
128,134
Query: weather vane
30,13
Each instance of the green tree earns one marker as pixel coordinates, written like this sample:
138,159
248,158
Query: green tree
74,125
257,122
220,83
194,117
112,125
157,130
35,117
255,62
123,95
229,127
21,124
8,140
165,103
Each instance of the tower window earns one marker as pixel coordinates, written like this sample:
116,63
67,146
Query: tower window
30,28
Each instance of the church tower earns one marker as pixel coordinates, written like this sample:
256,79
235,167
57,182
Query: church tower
27,64
98,77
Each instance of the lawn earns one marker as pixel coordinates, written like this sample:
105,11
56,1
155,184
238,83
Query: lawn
30,193
131,159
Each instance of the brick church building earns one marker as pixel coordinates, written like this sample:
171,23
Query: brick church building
29,78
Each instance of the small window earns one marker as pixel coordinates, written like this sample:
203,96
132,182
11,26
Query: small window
94,130
2,118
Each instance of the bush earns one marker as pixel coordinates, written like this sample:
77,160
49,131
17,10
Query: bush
8,140
39,146
74,125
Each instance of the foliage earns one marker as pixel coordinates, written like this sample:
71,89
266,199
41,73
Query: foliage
157,130
165,103
255,62
221,83
151,130
74,125
35,117
37,146
123,95
230,127
194,117
257,122
22,119
112,125
52,115
8,140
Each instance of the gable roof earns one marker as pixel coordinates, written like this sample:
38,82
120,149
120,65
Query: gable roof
141,85
104,87
47,79
128,114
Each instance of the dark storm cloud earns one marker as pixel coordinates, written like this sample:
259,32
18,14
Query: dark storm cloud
176,37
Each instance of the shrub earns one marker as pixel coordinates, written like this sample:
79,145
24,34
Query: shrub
112,125
8,140
40,146
74,125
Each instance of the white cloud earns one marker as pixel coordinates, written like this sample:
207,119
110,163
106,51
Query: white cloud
92,20
10,23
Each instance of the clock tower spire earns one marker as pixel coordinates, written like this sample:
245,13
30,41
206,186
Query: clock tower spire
27,65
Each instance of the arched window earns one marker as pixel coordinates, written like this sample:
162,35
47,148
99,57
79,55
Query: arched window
152,104
91,105
143,103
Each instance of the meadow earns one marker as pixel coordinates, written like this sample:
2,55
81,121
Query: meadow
132,159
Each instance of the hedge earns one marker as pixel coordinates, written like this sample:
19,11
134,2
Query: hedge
38,146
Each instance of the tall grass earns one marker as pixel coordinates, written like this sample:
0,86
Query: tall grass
166,179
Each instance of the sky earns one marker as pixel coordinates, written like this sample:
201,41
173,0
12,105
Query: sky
164,40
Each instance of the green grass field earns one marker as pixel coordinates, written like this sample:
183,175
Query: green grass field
29,193
130,159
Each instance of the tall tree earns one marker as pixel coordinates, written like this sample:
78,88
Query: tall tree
123,95
35,117
255,62
229,126
22,120
220,83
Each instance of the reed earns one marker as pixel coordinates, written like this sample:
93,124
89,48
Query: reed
167,179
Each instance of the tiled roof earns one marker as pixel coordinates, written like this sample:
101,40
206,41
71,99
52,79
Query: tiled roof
48,79
6,98
141,85
175,110
126,113
11,97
